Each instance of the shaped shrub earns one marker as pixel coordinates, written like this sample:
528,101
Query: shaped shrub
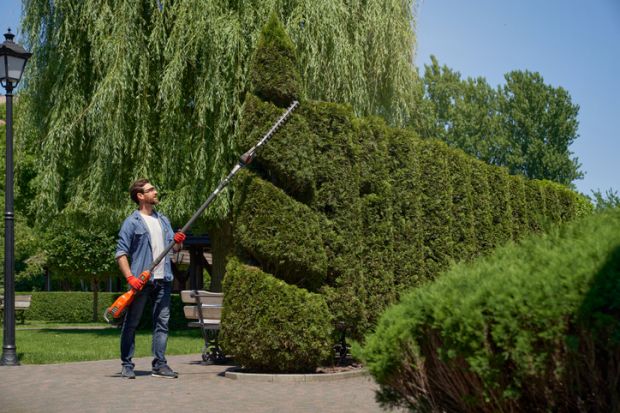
463,233
483,216
273,74
407,242
286,241
271,326
519,209
499,187
533,327
436,205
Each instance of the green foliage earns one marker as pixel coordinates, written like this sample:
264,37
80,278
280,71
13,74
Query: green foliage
167,103
365,210
407,242
583,206
533,324
67,307
273,74
535,204
483,207
287,241
544,143
501,211
436,203
552,203
77,307
271,326
288,162
524,125
463,232
84,251
604,201
518,201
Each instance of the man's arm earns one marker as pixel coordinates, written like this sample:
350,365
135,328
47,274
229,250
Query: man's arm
135,282
123,264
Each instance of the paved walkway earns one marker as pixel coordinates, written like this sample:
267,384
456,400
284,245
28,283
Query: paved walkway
96,386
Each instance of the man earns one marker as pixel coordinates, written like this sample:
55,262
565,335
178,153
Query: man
144,236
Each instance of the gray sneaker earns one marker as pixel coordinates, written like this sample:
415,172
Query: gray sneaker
127,372
164,372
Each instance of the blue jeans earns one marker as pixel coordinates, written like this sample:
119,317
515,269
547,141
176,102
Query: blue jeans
159,292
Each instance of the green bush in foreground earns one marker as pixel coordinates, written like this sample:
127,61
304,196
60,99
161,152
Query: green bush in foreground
271,326
533,327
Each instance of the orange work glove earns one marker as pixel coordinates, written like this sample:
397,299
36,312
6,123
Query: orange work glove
136,283
179,237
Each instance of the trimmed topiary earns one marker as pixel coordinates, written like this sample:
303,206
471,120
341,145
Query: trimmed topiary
518,207
483,215
288,161
364,211
271,326
499,187
436,205
552,203
273,74
407,241
286,240
463,233
535,205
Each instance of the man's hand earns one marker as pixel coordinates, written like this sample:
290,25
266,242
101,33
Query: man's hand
179,237
135,283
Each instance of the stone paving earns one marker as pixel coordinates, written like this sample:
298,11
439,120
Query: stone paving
96,386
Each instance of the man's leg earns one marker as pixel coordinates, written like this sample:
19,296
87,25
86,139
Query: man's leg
161,317
130,323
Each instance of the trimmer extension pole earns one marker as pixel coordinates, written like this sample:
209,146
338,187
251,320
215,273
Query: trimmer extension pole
244,160
118,308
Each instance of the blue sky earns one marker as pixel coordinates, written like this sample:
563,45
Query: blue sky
573,44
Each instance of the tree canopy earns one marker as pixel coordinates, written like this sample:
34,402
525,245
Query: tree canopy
118,90
525,124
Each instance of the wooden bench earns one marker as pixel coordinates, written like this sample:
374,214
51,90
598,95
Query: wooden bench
204,308
22,303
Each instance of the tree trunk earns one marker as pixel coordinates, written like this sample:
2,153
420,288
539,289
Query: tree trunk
95,284
221,247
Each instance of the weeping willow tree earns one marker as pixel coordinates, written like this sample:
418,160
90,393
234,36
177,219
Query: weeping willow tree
121,89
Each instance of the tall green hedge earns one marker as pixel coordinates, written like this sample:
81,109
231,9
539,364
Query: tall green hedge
463,229
533,327
271,326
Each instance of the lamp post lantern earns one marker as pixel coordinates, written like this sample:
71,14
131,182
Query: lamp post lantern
13,58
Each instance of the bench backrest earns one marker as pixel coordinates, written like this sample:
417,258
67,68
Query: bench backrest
22,302
211,305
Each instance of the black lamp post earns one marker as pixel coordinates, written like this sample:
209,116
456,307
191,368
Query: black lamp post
13,59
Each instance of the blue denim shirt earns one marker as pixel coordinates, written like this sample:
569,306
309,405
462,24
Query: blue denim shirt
134,240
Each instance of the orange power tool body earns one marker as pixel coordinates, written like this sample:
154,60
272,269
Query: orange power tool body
118,308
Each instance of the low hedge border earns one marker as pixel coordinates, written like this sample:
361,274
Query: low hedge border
77,307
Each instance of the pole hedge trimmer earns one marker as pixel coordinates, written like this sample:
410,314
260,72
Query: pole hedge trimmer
114,313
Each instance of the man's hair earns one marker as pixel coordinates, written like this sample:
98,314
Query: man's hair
137,188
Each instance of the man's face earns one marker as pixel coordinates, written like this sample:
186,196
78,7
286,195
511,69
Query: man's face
149,195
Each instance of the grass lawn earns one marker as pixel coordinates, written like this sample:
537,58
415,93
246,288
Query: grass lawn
53,344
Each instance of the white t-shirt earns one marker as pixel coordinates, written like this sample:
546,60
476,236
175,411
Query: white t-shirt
157,243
